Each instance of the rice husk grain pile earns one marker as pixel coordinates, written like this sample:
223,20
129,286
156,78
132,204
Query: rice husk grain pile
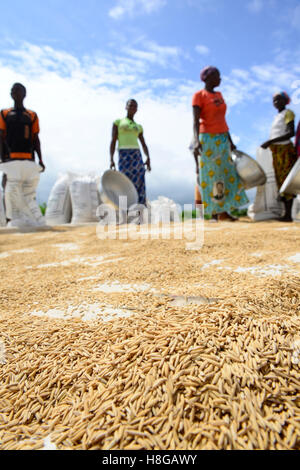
222,374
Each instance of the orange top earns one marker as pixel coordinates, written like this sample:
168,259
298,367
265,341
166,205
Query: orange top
213,111
20,135
33,116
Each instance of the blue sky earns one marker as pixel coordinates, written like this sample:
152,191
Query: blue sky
81,61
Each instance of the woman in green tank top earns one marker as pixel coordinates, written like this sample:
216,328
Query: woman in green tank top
127,132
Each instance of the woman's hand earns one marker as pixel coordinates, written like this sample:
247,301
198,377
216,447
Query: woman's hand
197,153
232,146
197,149
113,146
148,164
266,144
41,163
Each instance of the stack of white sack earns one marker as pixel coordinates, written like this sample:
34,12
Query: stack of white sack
20,194
59,206
296,209
266,204
164,210
73,199
2,210
85,199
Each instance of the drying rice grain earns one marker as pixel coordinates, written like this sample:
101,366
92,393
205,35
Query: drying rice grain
197,377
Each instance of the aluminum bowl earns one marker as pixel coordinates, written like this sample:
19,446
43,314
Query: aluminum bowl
114,185
250,172
292,183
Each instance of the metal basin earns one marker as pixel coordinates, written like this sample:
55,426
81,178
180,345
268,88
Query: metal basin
292,182
250,172
116,185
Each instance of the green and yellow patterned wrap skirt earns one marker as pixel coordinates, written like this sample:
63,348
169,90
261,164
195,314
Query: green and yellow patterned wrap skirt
284,158
220,186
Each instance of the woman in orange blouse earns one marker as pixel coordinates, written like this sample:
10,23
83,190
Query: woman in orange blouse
220,185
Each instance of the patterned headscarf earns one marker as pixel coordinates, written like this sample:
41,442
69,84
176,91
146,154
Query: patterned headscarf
207,71
285,96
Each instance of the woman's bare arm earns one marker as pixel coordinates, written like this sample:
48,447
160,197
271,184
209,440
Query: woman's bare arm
113,146
197,146
1,145
233,147
146,151
37,148
290,128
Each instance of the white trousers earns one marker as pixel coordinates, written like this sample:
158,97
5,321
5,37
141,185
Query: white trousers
20,193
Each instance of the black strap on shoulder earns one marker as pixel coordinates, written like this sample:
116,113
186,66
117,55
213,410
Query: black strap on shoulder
34,118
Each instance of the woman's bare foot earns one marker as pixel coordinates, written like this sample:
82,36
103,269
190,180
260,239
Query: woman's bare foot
226,217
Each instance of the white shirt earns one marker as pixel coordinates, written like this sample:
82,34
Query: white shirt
279,126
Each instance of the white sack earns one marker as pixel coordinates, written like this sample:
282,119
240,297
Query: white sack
59,206
20,193
296,209
164,210
29,193
85,199
266,204
2,210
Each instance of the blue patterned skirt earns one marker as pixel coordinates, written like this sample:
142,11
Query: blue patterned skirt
220,185
131,164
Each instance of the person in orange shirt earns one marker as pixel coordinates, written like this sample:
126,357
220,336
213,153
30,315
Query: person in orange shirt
212,151
19,140
19,130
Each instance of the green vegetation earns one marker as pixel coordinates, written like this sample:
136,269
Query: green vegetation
240,212
43,208
192,215
188,215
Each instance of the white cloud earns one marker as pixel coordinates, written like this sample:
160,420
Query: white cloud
155,53
202,50
274,76
204,5
295,17
270,6
236,139
240,73
135,7
255,6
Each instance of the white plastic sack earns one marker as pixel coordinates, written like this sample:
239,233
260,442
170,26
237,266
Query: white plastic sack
59,206
29,194
2,210
266,204
296,209
85,199
164,210
20,194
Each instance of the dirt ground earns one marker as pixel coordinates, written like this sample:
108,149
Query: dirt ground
145,344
